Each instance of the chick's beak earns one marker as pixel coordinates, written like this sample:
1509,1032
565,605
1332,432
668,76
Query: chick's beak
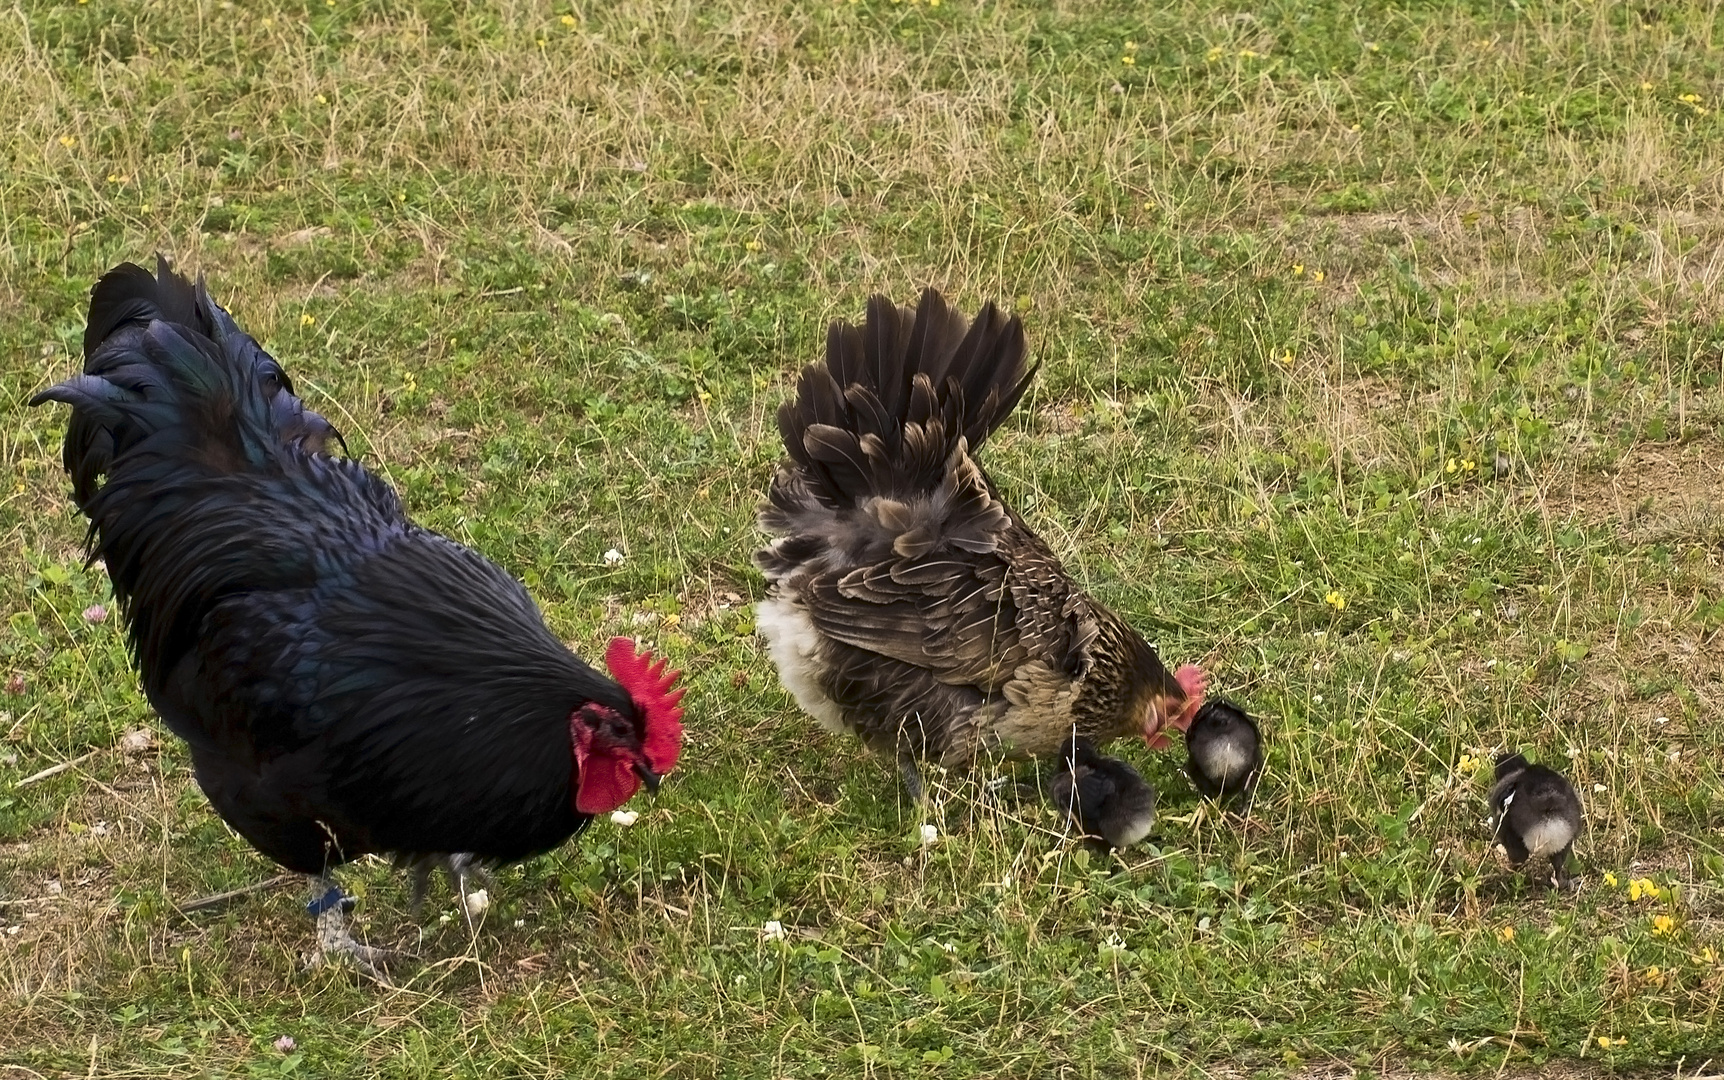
648,777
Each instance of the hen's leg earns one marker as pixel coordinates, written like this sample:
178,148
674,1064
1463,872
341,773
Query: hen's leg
329,906
912,778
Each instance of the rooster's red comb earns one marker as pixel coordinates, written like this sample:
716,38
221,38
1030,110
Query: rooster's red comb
650,688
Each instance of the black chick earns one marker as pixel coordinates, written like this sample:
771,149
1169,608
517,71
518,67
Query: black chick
1536,813
1103,796
1226,750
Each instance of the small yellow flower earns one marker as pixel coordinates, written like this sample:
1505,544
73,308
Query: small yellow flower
1642,887
145,208
306,320
1663,924
752,245
1131,46
1689,99
68,141
933,3
328,3
1506,934
1128,60
1610,879
1335,600
1708,955
1298,268
567,20
1249,54
1469,764
540,42
1373,46
1645,85
1653,975
1317,276
1469,464
1287,358
268,22
705,396
1451,465
1213,54
1607,1042
321,100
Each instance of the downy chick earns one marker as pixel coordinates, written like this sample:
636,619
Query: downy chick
1536,813
1102,796
1226,750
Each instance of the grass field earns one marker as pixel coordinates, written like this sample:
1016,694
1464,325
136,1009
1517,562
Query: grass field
1381,372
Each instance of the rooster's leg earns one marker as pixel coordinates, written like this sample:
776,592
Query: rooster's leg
330,907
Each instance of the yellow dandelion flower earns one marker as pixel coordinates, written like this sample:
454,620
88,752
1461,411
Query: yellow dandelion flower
307,320
1663,924
1610,879
1317,276
567,20
68,141
1506,934
1335,600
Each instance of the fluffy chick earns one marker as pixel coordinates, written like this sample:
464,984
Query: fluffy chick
1225,748
1536,813
1102,796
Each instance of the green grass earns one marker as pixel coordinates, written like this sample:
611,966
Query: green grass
553,277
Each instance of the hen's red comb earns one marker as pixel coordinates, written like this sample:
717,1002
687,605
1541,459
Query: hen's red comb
650,688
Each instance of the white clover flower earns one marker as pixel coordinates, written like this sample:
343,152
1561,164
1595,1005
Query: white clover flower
928,834
773,930
624,818
613,557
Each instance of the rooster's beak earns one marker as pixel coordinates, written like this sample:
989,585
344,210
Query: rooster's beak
648,777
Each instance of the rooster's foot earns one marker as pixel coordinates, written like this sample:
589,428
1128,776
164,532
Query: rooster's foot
336,944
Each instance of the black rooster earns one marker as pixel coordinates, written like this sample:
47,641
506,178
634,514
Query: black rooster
347,681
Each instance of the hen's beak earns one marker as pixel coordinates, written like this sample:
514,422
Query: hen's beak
648,777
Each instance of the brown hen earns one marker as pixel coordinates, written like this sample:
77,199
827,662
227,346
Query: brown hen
906,603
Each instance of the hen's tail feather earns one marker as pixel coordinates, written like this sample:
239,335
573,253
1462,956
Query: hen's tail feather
159,353
883,416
